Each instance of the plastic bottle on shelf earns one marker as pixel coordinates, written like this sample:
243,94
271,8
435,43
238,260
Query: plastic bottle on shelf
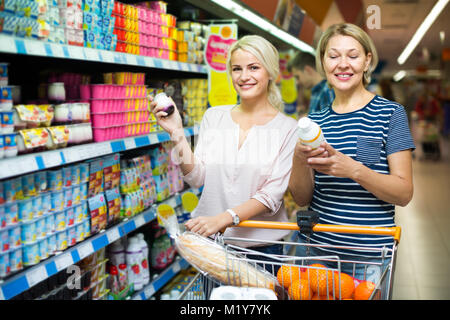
144,260
310,133
117,253
133,258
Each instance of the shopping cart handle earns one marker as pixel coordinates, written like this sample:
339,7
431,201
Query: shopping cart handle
395,232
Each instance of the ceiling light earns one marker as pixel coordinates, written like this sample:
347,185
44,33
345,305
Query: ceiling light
434,13
399,75
264,25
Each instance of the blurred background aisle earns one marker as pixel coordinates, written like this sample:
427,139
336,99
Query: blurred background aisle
424,252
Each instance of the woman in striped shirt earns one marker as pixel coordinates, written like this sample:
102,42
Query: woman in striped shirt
364,168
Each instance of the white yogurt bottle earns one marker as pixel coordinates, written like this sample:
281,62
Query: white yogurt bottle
310,133
133,258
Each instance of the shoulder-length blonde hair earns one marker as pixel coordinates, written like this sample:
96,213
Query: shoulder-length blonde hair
347,29
268,56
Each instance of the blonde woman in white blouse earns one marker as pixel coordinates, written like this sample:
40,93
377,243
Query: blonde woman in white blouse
243,157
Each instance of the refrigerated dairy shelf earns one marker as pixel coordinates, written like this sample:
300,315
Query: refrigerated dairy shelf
15,45
27,278
19,165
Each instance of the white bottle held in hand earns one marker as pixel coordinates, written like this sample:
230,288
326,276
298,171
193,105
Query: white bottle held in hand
310,133
144,260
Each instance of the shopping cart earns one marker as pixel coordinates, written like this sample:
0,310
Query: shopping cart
240,260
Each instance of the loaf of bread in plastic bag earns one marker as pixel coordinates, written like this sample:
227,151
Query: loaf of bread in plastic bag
227,267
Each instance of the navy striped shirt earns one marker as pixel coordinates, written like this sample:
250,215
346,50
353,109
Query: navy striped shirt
367,135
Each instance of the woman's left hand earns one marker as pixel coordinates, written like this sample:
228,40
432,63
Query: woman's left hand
336,164
207,226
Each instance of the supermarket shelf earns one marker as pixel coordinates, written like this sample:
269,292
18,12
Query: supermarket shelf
32,276
15,45
19,165
161,280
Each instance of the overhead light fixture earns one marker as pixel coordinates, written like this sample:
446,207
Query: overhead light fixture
431,17
264,24
399,75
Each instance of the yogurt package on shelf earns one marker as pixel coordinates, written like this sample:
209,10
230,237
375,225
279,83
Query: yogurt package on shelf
98,213
114,201
95,177
111,171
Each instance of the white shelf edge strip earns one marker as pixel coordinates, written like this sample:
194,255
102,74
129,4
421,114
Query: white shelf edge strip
10,167
15,45
40,272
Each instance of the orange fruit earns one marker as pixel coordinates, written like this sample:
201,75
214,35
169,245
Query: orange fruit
364,290
300,290
286,275
325,297
321,281
347,285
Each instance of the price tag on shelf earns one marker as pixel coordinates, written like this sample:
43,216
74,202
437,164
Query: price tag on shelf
107,56
35,48
130,144
153,139
72,155
63,261
91,54
85,250
52,159
8,45
37,275
166,64
131,59
76,52
176,267
149,291
26,164
2,297
57,50
112,235
139,221
184,66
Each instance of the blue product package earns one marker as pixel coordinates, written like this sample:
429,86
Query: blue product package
5,267
50,225
9,23
76,175
25,209
40,181
15,259
70,217
46,199
28,231
57,200
4,240
9,6
84,172
31,254
43,248
78,213
68,197
2,216
89,39
87,227
83,191
60,220
28,186
41,228
51,243
54,180
37,206
14,235
71,236
61,240
11,213
79,229
76,195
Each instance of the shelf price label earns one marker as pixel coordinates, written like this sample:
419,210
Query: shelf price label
63,261
76,52
37,275
85,250
35,48
112,235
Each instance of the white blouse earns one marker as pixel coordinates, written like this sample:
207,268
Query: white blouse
259,170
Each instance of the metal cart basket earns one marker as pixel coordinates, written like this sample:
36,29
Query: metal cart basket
240,260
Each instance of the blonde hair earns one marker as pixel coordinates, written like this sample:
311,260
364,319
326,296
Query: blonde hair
347,29
268,56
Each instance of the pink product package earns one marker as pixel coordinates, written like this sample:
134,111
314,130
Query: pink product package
104,134
118,105
113,91
102,120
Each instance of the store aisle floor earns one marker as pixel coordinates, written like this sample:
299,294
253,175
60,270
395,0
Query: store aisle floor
423,264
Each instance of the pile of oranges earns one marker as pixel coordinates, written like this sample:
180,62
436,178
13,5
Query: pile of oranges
318,283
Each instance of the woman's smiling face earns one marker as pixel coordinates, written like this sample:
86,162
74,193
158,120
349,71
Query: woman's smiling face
250,78
344,63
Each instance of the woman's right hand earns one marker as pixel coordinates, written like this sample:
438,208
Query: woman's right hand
303,152
171,123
